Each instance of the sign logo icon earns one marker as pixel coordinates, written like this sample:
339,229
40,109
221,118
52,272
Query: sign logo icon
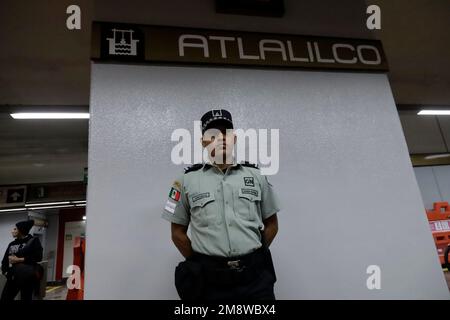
122,43
15,196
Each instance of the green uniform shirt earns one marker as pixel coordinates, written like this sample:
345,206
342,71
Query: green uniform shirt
224,210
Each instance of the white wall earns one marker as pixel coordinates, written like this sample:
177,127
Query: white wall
52,245
347,189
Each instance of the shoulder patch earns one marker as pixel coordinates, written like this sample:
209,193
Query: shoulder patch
248,164
194,167
177,185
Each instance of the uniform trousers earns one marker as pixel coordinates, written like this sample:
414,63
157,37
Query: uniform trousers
250,277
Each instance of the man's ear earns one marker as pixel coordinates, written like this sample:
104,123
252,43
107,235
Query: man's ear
203,142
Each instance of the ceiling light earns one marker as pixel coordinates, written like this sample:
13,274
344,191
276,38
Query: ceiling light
434,112
52,207
437,156
38,165
48,205
45,203
50,115
16,209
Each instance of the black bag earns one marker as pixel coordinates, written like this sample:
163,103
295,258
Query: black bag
189,280
23,273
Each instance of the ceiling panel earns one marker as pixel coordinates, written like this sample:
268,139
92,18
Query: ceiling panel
422,133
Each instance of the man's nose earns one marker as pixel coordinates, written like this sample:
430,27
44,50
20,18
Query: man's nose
220,136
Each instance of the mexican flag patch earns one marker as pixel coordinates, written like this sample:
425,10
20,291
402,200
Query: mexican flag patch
174,194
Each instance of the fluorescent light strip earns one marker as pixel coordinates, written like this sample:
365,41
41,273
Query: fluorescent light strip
48,205
434,112
53,207
437,156
16,209
50,115
45,203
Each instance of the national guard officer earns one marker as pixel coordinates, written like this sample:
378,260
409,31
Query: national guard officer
232,213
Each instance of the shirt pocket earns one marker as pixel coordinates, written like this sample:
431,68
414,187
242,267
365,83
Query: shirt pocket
247,203
203,208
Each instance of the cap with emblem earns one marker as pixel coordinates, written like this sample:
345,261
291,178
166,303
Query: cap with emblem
216,117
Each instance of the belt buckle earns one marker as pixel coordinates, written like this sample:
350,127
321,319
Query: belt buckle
234,265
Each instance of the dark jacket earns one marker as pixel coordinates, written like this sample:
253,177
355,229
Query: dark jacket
29,248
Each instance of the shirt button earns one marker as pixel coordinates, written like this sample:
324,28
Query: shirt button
226,202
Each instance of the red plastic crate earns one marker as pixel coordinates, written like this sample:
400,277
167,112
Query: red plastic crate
439,219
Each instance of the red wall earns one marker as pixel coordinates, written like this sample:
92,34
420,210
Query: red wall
65,215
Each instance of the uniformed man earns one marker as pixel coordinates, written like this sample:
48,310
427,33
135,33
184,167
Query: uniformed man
232,213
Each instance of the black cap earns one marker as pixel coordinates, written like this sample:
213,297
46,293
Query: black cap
24,227
214,117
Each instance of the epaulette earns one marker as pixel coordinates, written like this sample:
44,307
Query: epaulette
248,164
194,167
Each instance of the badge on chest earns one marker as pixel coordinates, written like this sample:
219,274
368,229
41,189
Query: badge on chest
249,182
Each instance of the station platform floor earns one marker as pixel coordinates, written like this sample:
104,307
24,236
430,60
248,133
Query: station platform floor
56,293
60,292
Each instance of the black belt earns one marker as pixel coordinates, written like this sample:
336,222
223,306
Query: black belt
227,271
232,263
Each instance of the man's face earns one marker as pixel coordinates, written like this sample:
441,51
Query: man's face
219,142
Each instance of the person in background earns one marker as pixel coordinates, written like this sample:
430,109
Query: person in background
19,263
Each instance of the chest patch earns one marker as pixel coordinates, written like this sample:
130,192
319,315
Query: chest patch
200,196
248,181
253,192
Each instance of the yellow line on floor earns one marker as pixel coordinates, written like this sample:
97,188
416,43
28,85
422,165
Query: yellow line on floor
50,289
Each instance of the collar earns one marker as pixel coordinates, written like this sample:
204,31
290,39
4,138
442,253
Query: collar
208,164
